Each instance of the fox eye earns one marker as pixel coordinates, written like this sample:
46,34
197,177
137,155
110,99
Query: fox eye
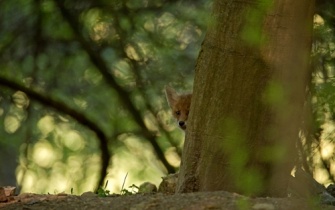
177,112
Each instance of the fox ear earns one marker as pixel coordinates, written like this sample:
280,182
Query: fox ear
171,95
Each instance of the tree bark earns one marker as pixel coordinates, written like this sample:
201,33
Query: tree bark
248,96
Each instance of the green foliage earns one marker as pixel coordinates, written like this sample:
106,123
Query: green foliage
317,130
103,192
144,45
252,32
243,204
133,190
248,179
320,143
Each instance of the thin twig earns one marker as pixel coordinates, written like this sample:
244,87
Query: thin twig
124,181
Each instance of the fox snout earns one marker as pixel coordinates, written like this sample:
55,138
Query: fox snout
181,115
182,125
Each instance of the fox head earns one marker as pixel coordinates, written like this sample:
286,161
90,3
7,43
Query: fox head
180,105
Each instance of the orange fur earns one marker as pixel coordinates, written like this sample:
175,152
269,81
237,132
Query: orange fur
180,105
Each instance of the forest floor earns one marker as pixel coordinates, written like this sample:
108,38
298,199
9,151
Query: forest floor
153,201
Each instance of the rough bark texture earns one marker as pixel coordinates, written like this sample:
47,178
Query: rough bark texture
247,100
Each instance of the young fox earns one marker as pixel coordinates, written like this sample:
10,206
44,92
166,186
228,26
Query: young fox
180,105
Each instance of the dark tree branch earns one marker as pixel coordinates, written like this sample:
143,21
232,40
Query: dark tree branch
136,69
122,93
78,116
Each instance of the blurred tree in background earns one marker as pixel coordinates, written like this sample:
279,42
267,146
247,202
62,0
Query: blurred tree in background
81,93
318,143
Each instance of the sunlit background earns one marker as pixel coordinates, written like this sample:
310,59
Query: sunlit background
145,46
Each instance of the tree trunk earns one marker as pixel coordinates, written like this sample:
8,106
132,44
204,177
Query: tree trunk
249,91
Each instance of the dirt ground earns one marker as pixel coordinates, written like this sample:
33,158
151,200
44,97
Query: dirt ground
159,201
